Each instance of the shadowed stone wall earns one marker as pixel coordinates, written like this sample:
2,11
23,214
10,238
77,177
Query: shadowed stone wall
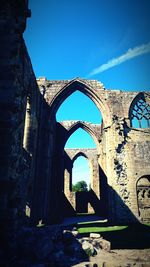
20,109
32,156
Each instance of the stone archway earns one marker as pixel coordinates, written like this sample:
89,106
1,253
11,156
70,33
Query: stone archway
62,132
86,202
55,99
117,142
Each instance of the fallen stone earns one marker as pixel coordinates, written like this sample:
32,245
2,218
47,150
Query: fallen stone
81,240
43,248
88,248
74,249
105,245
68,237
59,255
55,232
75,233
95,235
58,246
96,244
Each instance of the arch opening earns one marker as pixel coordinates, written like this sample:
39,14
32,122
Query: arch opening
80,107
70,88
80,139
81,174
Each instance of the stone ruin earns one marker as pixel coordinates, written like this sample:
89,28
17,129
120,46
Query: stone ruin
119,163
36,170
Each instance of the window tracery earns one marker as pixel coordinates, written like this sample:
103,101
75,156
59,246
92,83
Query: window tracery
140,114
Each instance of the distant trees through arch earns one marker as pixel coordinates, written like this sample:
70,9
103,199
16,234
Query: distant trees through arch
80,173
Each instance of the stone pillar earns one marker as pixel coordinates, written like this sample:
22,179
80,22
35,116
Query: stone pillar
67,182
95,179
27,127
71,196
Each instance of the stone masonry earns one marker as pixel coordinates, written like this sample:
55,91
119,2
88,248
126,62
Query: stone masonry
21,106
121,157
36,170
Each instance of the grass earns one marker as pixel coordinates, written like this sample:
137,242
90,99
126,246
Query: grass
147,224
83,230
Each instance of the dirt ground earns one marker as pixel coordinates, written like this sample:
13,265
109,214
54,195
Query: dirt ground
119,258
123,256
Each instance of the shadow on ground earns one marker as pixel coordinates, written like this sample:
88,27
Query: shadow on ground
133,237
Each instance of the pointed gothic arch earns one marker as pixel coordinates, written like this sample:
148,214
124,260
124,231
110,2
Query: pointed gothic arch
86,127
80,85
79,154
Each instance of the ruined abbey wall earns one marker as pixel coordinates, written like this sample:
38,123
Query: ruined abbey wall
122,155
34,167
20,109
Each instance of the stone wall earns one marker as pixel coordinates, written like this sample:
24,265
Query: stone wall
122,150
18,127
32,156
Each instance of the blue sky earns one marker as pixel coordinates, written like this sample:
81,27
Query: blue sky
83,109
107,40
70,38
81,171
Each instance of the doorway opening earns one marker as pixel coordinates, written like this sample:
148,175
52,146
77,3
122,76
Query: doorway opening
81,175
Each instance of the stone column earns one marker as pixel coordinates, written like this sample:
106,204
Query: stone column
67,182
95,179
27,128
67,188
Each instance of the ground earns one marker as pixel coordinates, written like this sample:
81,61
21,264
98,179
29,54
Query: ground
123,257
119,258
132,241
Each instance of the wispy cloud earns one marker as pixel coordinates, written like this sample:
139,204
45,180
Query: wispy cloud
131,53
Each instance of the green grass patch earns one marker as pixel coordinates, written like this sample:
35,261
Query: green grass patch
147,224
86,230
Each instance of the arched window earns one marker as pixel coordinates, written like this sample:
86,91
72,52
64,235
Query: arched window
79,107
140,114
